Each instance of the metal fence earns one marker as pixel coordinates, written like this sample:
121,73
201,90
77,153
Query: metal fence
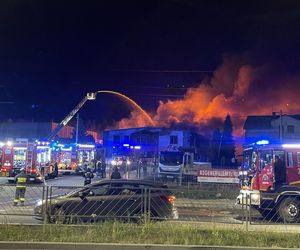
63,204
194,202
275,208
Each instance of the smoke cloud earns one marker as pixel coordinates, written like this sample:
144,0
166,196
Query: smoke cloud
239,87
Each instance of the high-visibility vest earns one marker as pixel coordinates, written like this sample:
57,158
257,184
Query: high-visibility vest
21,180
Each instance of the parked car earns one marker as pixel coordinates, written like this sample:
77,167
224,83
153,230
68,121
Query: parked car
33,177
111,199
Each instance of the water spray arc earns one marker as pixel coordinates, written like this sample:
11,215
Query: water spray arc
91,97
129,100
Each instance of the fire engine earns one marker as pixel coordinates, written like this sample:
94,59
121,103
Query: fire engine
16,156
73,158
258,179
179,165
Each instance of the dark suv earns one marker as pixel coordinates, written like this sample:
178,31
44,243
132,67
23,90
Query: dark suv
111,199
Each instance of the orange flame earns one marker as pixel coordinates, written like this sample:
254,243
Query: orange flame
236,88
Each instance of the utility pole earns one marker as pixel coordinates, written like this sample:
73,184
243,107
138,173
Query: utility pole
281,127
77,127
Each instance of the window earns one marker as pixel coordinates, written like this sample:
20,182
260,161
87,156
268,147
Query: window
290,159
265,158
298,158
126,138
173,139
116,139
99,190
290,129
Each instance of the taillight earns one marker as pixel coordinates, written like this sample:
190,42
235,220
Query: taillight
169,198
33,171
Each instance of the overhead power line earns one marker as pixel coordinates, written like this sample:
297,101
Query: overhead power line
165,71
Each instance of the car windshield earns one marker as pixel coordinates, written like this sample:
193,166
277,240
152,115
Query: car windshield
76,191
171,158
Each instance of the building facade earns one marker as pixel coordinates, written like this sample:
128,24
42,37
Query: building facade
147,142
275,128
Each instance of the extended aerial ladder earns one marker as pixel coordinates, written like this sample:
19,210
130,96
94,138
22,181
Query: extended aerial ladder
64,122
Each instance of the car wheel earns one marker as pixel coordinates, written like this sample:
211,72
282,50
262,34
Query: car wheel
289,210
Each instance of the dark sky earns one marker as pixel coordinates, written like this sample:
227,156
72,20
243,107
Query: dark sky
53,52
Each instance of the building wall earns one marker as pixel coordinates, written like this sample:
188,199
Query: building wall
273,134
287,136
125,136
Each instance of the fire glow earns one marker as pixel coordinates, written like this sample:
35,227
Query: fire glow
237,88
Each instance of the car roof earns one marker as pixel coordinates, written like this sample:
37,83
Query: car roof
130,181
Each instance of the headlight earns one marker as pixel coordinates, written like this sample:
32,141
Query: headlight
255,199
245,172
39,203
128,162
113,162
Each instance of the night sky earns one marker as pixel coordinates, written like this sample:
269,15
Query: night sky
53,52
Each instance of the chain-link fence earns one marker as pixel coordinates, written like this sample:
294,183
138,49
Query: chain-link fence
274,208
138,202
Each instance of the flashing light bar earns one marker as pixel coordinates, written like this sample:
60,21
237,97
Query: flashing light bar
137,147
85,146
291,145
126,145
20,148
66,149
262,142
42,147
60,145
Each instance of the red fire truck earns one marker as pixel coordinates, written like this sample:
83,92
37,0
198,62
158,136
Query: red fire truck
16,156
74,158
258,179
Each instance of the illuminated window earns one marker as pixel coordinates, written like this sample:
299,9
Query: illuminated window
290,129
298,158
290,159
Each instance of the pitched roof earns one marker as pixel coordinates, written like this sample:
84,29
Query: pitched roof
263,121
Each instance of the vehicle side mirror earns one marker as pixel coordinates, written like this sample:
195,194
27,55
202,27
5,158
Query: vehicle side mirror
81,195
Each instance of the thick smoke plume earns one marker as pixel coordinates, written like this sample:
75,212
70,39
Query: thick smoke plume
238,87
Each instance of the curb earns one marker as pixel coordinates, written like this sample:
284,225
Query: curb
13,245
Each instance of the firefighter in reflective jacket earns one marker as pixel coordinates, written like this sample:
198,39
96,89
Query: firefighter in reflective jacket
21,181
88,175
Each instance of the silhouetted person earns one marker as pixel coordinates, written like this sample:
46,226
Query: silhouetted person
103,169
115,174
279,172
88,176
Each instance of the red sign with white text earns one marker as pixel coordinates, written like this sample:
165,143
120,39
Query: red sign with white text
218,175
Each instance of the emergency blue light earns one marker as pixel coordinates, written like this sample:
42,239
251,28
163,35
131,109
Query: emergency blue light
291,145
137,147
262,142
126,145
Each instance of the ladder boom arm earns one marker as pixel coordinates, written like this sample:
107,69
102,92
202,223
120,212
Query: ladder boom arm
64,122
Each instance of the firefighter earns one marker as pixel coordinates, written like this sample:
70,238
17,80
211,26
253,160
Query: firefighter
279,172
21,181
88,176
